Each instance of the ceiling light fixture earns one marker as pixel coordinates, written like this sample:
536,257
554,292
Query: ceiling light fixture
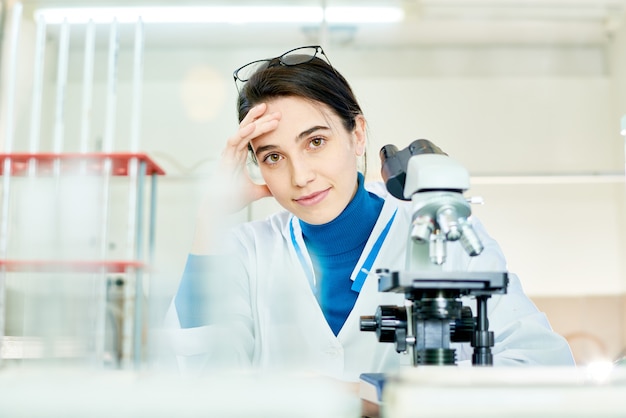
232,15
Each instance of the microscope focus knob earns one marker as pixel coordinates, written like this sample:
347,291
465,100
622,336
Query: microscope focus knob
387,323
368,323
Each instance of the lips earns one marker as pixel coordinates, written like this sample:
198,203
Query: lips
313,198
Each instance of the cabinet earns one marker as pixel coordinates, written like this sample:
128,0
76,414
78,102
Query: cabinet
68,294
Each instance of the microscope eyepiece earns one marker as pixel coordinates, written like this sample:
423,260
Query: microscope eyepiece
394,163
393,170
424,146
387,151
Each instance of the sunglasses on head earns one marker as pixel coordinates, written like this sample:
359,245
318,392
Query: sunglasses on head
296,56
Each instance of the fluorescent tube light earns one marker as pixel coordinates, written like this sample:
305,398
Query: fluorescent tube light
208,14
364,14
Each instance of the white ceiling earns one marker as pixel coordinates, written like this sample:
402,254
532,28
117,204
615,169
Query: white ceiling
427,22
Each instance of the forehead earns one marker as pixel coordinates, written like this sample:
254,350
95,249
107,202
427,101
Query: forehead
297,115
293,106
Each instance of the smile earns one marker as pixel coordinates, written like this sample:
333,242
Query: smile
313,198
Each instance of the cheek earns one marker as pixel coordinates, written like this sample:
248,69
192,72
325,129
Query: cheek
344,160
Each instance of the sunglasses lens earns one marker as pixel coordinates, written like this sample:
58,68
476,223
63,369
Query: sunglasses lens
299,56
245,72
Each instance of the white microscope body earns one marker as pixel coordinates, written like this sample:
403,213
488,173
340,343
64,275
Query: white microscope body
434,183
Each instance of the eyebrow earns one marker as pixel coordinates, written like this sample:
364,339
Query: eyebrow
299,137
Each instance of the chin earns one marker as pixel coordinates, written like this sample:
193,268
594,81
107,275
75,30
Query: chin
318,219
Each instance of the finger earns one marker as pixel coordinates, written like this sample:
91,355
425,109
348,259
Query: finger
254,113
260,120
261,126
246,125
255,118
258,127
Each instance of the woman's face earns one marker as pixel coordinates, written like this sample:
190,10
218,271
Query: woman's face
309,162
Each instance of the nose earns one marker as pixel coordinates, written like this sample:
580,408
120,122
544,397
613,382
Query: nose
302,172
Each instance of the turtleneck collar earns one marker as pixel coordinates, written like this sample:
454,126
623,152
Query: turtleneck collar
348,231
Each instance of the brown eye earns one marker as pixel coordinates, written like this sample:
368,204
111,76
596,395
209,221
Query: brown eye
317,142
272,158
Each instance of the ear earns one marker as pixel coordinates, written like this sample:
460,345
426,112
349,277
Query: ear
360,135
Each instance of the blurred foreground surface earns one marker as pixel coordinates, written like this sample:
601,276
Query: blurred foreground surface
54,391
66,392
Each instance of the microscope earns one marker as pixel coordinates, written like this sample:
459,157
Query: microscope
434,316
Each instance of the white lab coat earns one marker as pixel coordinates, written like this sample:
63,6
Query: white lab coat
269,317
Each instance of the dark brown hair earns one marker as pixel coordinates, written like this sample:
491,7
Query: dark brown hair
315,80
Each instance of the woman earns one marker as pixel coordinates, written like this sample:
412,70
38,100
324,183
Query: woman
288,292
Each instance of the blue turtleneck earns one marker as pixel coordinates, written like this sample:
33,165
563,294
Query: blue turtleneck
335,248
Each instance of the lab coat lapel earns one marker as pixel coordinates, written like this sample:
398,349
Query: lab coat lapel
369,296
301,254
